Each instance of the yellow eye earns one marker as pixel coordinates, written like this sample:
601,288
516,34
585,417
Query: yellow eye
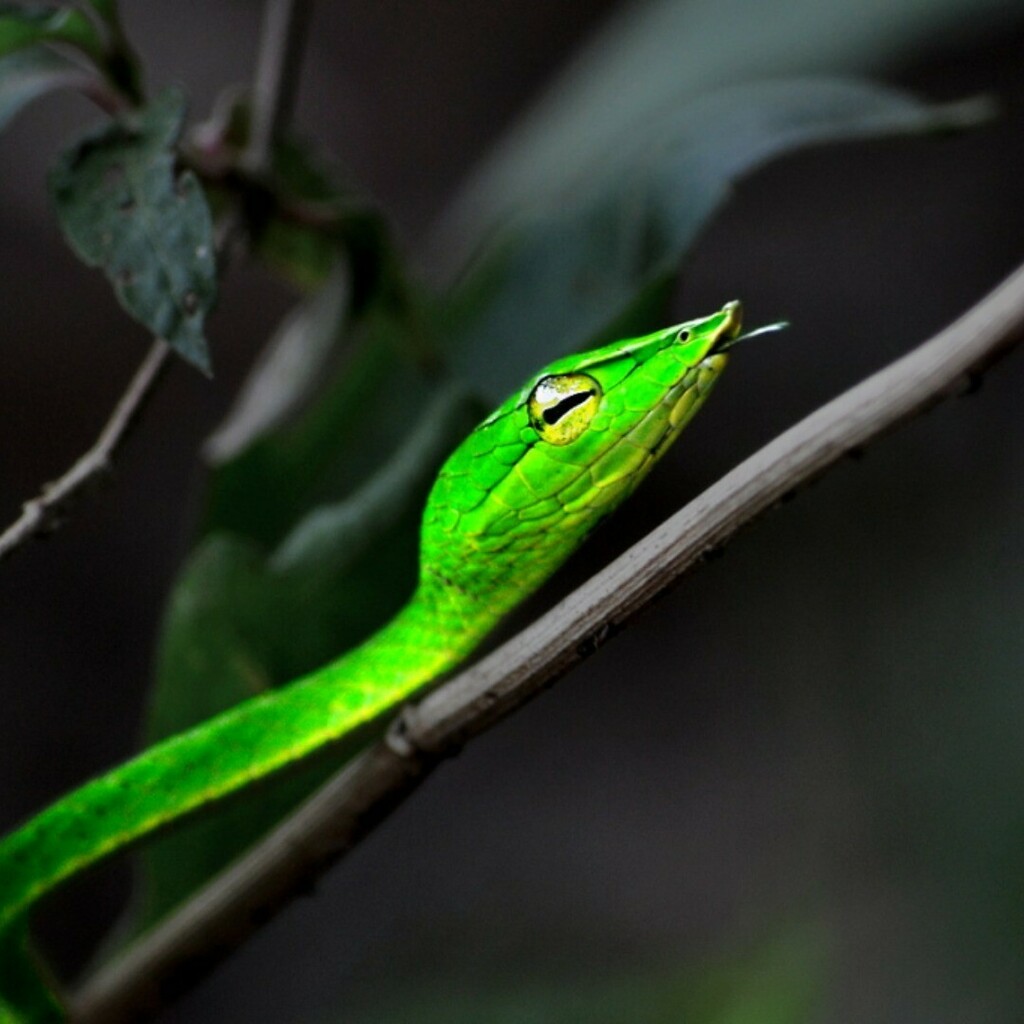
561,407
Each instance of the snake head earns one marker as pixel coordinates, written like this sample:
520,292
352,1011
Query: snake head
521,492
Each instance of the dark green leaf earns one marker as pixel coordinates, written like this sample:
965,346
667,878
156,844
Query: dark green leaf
363,414
317,215
558,273
288,371
780,984
22,26
301,173
119,61
629,86
25,994
241,621
658,56
124,208
31,73
301,254
107,10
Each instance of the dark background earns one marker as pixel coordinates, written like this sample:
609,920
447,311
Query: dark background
823,729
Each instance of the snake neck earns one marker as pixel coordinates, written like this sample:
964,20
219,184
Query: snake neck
433,632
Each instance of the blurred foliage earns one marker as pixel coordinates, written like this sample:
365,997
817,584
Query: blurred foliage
23,990
301,210
29,74
22,26
41,27
313,216
654,57
288,370
780,984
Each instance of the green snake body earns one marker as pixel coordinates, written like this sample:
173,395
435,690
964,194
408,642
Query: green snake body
508,507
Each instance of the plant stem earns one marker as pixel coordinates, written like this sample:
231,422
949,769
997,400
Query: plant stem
45,512
277,76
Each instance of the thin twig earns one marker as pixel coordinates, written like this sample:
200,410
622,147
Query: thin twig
45,512
222,915
277,76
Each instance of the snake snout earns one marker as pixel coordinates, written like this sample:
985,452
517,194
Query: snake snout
733,323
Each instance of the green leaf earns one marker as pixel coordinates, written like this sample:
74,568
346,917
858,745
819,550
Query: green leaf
288,371
107,10
782,983
317,215
657,56
627,93
32,73
362,416
303,243
242,620
559,272
26,993
22,26
300,172
300,254
124,208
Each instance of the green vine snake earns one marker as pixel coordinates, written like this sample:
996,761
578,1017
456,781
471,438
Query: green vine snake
512,502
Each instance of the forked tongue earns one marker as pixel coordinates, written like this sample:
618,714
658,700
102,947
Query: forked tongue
727,343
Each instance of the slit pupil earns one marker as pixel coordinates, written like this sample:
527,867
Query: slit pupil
556,412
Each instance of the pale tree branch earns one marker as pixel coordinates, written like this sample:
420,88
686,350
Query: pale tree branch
222,915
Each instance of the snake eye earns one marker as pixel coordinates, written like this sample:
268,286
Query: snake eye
562,406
